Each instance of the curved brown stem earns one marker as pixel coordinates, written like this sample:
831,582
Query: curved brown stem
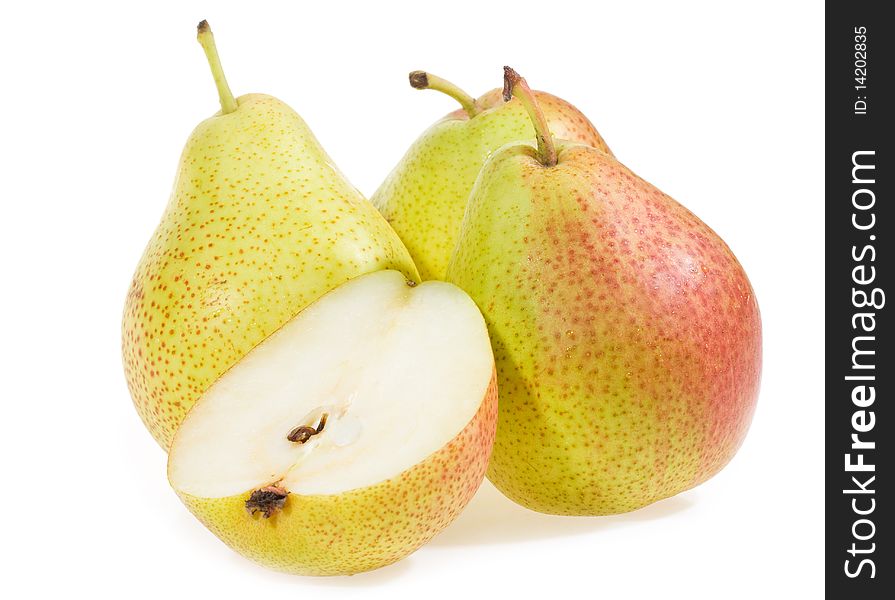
515,85
421,80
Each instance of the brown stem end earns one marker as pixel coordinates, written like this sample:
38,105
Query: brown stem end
510,78
419,80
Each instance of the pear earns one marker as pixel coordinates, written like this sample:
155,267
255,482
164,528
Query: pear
351,436
626,334
259,225
425,195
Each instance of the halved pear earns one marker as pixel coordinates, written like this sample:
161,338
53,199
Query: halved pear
349,437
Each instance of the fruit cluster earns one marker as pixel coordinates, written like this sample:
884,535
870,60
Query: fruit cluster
324,370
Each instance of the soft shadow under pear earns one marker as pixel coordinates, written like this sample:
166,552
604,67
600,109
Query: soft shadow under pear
492,518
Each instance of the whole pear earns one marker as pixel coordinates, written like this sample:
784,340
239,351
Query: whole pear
425,195
626,334
260,224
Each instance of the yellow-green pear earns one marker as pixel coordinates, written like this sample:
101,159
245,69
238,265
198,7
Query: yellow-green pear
626,334
424,197
351,436
259,225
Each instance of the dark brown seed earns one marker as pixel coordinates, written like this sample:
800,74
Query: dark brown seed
301,434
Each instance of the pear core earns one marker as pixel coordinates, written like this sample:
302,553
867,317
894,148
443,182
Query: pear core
395,372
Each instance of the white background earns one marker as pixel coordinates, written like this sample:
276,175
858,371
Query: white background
720,107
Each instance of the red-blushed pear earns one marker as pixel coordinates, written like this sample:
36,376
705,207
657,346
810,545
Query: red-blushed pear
259,225
626,334
425,195
351,436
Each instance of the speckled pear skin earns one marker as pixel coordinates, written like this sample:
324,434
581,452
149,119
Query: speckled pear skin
626,334
366,528
425,196
259,225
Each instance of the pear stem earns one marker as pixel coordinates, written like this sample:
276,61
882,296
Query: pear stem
515,85
421,80
206,38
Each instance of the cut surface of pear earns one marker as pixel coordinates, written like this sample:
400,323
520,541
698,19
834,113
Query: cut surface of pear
398,371
379,385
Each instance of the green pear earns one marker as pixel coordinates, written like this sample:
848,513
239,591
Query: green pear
626,334
259,225
425,195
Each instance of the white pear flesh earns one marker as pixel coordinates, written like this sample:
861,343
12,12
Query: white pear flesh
398,370
404,375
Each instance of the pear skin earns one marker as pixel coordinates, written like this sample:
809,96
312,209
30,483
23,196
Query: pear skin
260,224
425,195
626,334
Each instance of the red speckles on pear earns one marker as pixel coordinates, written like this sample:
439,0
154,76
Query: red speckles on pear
626,334
424,197
565,121
259,225
366,528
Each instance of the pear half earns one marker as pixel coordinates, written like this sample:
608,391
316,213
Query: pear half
349,437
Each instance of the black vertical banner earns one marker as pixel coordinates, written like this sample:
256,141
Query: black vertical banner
860,365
